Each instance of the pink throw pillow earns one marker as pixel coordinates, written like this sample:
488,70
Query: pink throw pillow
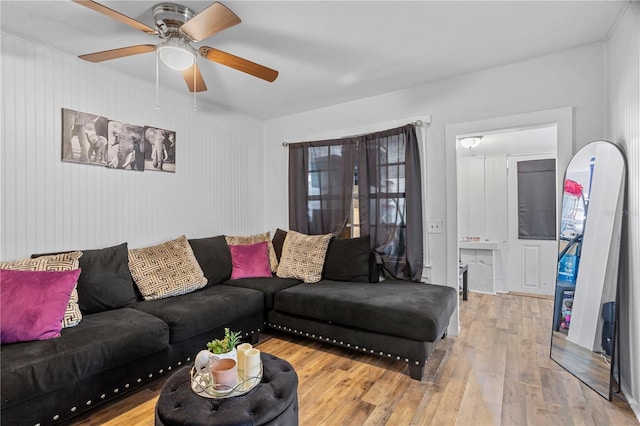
250,260
33,303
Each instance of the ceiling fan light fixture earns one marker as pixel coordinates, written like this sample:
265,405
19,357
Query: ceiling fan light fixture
176,57
470,142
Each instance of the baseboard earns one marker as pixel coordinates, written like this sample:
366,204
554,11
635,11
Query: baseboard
538,296
490,293
635,407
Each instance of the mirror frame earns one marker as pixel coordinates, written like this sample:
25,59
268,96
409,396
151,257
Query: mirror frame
617,263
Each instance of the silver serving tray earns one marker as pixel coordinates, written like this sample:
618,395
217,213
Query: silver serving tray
201,385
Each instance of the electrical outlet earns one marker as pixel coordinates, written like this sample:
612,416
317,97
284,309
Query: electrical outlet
434,226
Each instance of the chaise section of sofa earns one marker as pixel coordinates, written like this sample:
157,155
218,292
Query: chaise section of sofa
351,307
395,319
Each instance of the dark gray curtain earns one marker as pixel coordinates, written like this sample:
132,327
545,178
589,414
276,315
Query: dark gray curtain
390,199
537,200
320,185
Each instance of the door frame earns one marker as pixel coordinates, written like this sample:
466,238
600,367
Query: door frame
563,120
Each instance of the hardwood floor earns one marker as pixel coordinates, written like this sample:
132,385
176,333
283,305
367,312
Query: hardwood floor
498,371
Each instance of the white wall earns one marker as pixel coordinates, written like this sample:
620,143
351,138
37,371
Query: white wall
570,78
50,205
623,72
472,207
482,197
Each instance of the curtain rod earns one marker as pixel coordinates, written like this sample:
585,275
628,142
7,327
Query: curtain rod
417,123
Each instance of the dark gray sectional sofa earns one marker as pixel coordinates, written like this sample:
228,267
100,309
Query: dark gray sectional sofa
123,342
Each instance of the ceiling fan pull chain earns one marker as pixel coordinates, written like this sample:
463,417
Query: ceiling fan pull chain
157,106
195,82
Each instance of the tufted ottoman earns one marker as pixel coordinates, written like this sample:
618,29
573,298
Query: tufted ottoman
273,402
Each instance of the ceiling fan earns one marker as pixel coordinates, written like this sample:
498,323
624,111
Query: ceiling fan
178,26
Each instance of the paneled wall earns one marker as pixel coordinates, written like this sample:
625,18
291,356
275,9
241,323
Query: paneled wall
623,69
49,205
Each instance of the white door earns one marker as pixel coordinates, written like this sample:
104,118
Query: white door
531,264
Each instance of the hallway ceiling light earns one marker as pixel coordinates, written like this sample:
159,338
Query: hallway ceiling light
470,142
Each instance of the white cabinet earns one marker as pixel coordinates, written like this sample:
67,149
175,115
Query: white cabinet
484,262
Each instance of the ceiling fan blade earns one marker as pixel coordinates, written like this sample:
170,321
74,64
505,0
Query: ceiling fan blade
190,79
117,16
238,63
118,53
213,19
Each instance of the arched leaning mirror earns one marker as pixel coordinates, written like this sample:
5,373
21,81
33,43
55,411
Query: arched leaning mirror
584,320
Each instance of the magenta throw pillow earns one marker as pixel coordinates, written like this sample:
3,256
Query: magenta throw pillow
33,303
250,260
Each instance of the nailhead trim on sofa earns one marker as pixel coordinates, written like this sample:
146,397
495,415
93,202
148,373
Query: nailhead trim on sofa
341,343
148,378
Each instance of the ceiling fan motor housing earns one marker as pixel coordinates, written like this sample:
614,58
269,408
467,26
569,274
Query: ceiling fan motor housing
169,17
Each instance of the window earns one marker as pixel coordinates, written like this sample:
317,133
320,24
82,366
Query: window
365,185
537,199
388,197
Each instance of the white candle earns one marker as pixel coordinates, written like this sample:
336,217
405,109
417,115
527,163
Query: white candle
252,362
242,349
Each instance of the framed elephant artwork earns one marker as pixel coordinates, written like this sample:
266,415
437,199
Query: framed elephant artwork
159,150
84,137
94,139
125,147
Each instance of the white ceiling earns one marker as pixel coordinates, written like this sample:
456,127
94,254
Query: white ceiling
329,52
540,140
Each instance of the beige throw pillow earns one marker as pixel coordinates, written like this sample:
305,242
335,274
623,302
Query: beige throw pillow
165,270
58,262
252,239
303,256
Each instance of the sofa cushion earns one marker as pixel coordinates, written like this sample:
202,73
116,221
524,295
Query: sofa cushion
105,282
214,258
165,270
303,256
266,236
203,310
268,286
250,260
412,310
347,260
58,262
33,303
278,241
101,341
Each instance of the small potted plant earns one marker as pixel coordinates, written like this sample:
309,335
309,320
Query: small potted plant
226,347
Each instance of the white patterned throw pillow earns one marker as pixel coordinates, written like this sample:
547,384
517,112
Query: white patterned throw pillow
165,270
303,256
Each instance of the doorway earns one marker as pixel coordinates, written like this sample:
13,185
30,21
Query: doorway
562,118
498,258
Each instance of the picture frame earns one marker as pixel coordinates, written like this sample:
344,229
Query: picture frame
97,140
159,149
84,137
